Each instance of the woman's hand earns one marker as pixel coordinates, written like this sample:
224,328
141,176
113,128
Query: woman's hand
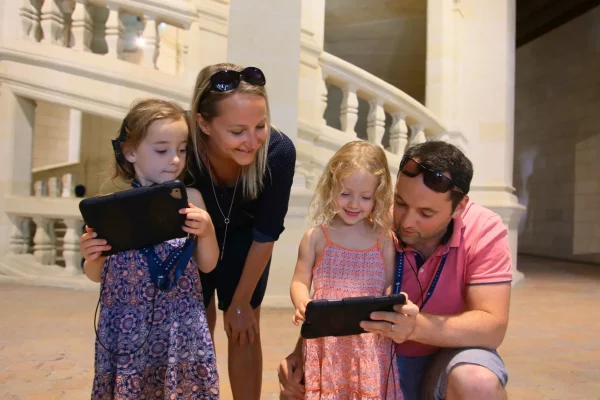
197,221
240,324
300,314
91,247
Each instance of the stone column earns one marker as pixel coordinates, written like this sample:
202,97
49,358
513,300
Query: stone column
312,85
206,39
16,150
486,96
266,34
75,117
440,91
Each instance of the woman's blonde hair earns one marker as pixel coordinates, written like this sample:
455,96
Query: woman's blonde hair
206,103
350,158
135,128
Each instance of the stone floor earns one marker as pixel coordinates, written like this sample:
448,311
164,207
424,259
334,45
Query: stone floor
552,348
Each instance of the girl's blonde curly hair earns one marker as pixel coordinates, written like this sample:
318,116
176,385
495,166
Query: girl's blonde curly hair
352,157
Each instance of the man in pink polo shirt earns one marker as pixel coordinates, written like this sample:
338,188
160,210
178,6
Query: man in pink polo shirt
454,263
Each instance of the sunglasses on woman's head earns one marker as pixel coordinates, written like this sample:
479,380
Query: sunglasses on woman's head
226,80
433,179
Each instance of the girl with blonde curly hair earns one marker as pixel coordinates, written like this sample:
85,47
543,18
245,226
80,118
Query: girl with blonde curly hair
349,253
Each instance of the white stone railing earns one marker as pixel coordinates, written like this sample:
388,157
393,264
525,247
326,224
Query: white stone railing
390,118
53,214
55,186
121,29
59,179
390,113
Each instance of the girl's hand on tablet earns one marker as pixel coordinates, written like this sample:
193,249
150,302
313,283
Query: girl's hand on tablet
91,247
197,221
299,315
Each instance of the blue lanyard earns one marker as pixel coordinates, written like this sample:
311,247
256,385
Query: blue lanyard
160,271
400,271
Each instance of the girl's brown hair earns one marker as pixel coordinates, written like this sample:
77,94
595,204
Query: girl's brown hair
206,103
352,157
135,127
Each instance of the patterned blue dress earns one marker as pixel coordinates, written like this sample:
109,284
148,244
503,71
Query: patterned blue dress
178,359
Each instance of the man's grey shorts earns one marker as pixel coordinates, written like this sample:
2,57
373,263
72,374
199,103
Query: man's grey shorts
426,378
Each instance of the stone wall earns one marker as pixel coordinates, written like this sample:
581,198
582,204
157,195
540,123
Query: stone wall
97,154
557,141
51,135
386,39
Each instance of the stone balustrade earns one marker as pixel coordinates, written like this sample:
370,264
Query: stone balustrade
357,105
394,120
121,29
130,31
47,224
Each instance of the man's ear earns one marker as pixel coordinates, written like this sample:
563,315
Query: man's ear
129,153
203,124
460,207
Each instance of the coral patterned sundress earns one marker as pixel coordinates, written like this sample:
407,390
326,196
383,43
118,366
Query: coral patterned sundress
359,367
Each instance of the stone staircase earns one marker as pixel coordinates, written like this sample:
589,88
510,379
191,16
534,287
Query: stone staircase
82,54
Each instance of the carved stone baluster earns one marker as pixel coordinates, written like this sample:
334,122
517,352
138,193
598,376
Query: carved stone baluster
26,12
192,59
417,135
40,189
19,235
151,43
67,8
67,185
182,67
376,122
52,23
44,241
349,110
71,253
114,33
30,20
53,187
323,93
82,27
398,133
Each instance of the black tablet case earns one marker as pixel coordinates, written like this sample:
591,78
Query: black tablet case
136,218
343,317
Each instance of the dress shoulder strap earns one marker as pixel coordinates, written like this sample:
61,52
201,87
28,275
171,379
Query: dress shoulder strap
326,233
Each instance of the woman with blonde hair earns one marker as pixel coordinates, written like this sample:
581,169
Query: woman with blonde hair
244,170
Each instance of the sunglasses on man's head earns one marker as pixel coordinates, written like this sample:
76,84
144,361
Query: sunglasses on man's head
433,179
226,80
